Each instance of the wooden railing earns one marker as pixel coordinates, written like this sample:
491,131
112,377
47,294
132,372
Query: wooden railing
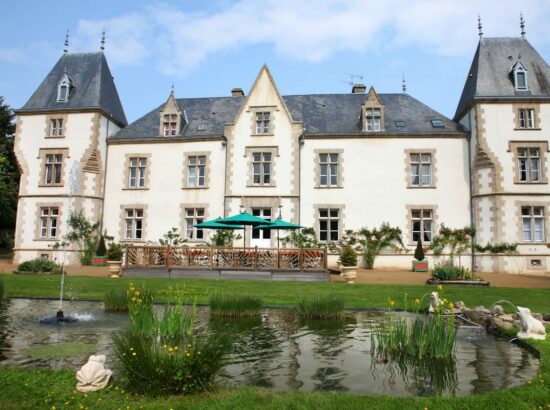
302,259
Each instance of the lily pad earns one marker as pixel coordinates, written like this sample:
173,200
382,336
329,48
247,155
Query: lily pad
68,349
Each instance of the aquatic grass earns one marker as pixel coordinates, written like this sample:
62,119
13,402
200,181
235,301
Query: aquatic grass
116,300
226,305
2,288
322,307
59,350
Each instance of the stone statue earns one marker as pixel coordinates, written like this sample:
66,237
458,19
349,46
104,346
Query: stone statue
93,375
434,302
531,328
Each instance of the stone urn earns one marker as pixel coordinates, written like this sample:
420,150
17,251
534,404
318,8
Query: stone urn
115,267
349,273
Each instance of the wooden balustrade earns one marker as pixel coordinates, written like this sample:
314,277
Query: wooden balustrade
300,259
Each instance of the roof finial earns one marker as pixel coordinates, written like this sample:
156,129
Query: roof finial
404,84
479,26
66,49
172,89
102,47
522,25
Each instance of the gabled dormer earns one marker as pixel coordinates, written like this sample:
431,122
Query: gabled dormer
518,74
65,88
372,113
172,118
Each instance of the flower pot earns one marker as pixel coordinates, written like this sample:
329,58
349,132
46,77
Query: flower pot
99,260
349,273
420,266
115,267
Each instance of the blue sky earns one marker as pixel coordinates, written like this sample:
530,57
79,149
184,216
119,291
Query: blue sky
207,48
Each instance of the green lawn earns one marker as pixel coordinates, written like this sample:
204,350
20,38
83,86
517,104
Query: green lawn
55,389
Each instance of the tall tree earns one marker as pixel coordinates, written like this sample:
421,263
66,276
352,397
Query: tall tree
9,175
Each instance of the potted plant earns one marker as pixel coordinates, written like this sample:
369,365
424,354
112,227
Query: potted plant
114,259
100,259
348,263
419,263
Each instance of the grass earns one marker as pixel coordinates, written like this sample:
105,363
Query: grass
322,307
58,350
226,305
116,300
2,287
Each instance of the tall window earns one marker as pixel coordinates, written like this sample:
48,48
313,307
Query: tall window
136,174
170,124
54,163
329,223
263,123
261,168
373,119
529,164
197,171
48,222
328,164
421,169
520,75
194,216
526,118
56,127
532,218
133,221
64,89
422,223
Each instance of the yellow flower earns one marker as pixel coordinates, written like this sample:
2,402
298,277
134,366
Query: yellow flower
131,348
134,354
137,293
417,301
133,298
170,349
451,306
391,302
176,348
439,288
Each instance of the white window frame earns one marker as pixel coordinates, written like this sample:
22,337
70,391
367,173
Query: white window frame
422,223
56,127
263,122
49,222
133,223
194,216
520,71
421,169
137,169
533,223
529,164
526,118
373,117
170,124
329,169
262,168
53,169
196,166
328,232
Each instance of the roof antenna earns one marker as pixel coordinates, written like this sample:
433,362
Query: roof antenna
522,25
404,86
479,26
102,47
66,49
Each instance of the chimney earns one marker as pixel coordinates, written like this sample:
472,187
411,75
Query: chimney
358,89
237,92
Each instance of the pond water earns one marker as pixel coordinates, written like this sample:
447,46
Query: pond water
280,351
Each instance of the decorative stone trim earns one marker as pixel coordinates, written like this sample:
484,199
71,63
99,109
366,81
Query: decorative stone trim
207,171
37,214
408,167
372,102
126,174
206,217
170,108
253,110
341,218
526,106
42,152
435,219
249,151
513,147
519,225
317,165
57,116
121,223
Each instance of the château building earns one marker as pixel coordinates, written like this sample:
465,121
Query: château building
329,161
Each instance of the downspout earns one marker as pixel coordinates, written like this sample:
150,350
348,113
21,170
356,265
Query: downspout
104,177
224,144
300,144
470,183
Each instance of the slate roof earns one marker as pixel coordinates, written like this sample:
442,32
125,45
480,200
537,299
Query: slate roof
489,75
93,82
322,114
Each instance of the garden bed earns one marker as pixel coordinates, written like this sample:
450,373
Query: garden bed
458,282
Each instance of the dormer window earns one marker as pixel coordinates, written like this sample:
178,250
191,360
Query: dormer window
170,124
373,118
64,89
372,113
520,76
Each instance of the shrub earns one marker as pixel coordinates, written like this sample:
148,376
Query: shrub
116,300
224,238
419,251
348,257
321,307
101,250
302,238
115,252
502,247
39,265
455,240
235,306
448,271
376,240
163,356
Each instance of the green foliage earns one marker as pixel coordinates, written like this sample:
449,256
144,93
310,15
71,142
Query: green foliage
9,176
39,265
83,234
448,271
116,300
455,240
162,356
301,238
101,249
419,251
228,305
115,252
58,350
172,238
224,238
501,247
329,306
2,288
348,257
374,241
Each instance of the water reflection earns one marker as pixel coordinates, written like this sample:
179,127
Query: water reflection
283,352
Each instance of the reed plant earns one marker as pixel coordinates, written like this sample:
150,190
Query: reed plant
164,355
235,305
2,289
322,307
116,300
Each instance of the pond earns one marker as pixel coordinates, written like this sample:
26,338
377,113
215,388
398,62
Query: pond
278,351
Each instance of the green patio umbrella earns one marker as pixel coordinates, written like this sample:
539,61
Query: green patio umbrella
244,218
216,224
279,224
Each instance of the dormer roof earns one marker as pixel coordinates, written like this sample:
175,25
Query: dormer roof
93,82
